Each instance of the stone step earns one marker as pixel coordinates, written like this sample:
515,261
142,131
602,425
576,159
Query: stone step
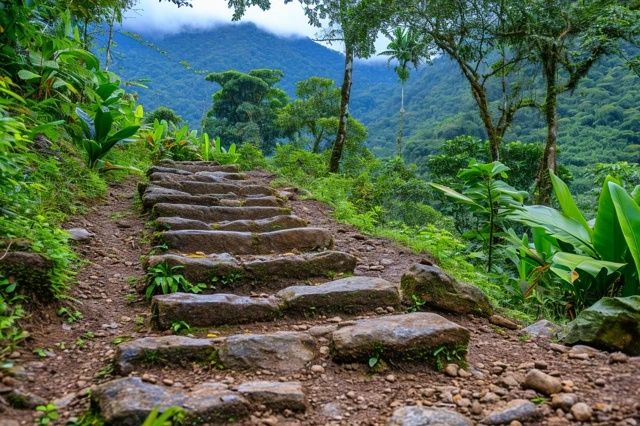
348,295
211,177
413,337
278,351
155,195
211,188
129,400
283,241
261,225
184,169
217,213
265,269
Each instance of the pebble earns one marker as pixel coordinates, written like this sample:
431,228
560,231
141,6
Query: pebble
390,378
618,357
581,411
503,322
149,378
542,382
167,382
518,409
578,355
451,370
564,400
317,368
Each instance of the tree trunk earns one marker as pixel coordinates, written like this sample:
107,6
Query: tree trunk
480,96
548,161
401,126
107,54
341,137
316,142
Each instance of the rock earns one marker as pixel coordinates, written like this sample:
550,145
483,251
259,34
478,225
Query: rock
408,337
423,416
31,270
317,368
438,290
353,294
129,400
80,234
195,187
518,409
177,223
152,197
581,411
564,401
451,370
162,350
542,328
284,241
503,322
542,382
216,213
618,358
281,351
21,399
267,270
612,323
277,396
203,310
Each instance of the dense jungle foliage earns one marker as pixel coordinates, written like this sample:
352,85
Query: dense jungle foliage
69,127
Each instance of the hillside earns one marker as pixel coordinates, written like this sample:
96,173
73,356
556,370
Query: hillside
599,122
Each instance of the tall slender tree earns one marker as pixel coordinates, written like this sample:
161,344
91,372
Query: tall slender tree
405,48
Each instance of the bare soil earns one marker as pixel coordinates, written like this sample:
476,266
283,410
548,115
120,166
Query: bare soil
107,295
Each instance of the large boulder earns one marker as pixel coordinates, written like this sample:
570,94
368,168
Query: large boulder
441,291
407,337
613,323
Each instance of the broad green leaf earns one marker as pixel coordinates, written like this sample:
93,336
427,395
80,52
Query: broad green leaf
87,123
452,193
103,123
106,90
567,203
123,134
28,75
90,60
556,225
628,213
635,194
608,239
585,263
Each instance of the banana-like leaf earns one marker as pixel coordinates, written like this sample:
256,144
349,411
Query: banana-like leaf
628,213
587,264
122,134
635,194
608,239
87,123
556,225
90,60
103,123
452,193
106,90
567,203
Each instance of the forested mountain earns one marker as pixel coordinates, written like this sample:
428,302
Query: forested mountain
600,122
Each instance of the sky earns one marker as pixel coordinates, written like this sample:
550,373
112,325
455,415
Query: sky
150,17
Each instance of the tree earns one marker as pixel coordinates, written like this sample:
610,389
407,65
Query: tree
566,38
318,100
405,48
470,33
355,24
163,113
244,110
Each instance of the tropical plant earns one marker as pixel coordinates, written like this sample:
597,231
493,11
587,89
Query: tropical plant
98,141
217,152
405,48
169,417
166,279
490,199
591,259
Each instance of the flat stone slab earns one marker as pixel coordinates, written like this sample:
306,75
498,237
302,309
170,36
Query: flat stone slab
128,401
266,269
279,351
206,188
284,241
152,197
408,337
353,294
425,416
162,350
198,166
212,177
203,310
261,225
217,213
277,396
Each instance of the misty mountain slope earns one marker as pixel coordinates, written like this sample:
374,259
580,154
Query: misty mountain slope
181,86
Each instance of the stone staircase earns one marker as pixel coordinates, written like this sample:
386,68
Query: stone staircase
266,265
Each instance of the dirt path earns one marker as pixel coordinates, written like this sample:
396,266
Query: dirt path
79,354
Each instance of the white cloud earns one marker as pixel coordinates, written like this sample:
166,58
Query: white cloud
154,18
151,17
